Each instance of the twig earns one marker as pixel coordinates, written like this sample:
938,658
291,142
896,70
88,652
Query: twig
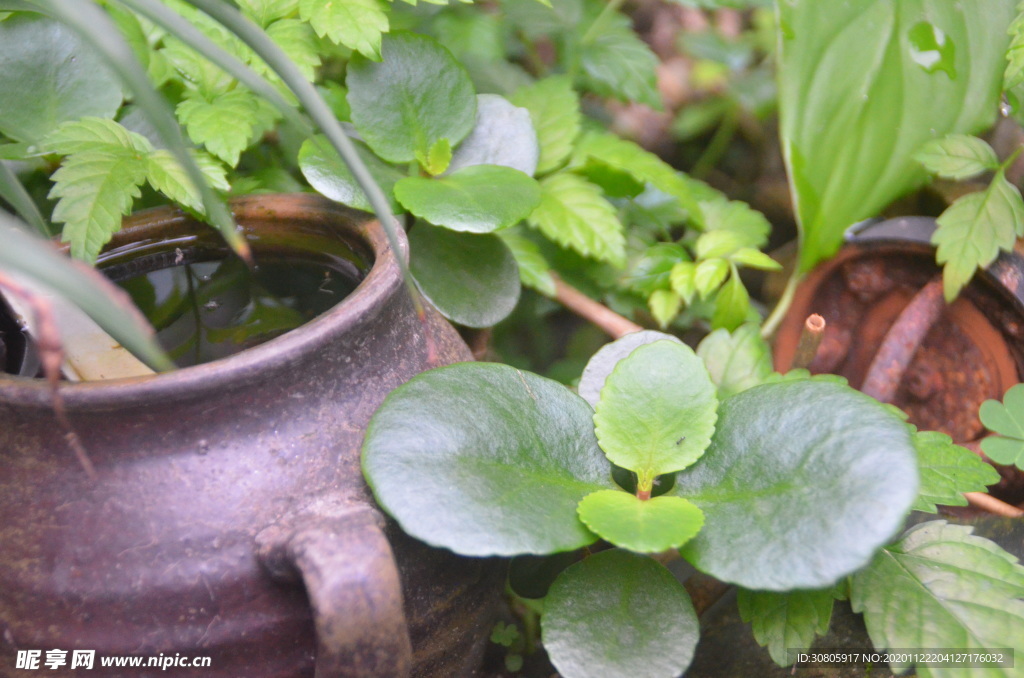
993,505
902,341
600,315
51,355
810,339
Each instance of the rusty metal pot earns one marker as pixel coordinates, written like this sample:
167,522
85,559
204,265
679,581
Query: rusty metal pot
229,518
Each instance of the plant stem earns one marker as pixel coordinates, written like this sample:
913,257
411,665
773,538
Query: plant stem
718,144
773,321
810,339
598,314
993,505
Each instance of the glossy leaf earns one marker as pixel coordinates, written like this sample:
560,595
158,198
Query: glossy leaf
330,175
554,108
476,199
657,410
785,621
471,279
802,482
604,361
502,135
49,75
973,230
573,213
852,73
736,361
644,526
1006,419
418,94
968,589
484,459
619,615
957,156
947,471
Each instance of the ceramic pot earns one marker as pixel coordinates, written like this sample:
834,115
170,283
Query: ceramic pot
229,518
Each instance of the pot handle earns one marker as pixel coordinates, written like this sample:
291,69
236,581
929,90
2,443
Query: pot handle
353,586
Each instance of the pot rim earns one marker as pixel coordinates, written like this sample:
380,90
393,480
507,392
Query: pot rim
381,282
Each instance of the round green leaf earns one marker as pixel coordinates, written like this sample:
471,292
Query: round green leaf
477,199
485,460
650,526
327,173
619,615
657,410
49,76
416,95
803,481
604,361
503,135
472,279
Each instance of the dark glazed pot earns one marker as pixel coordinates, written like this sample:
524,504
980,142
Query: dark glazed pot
229,518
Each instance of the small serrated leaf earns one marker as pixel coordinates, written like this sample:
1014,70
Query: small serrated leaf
731,304
750,227
967,588
1006,419
973,229
664,305
751,258
783,621
1014,73
736,361
709,276
617,63
947,471
683,279
573,213
357,24
225,124
554,108
644,526
957,156
720,243
534,270
297,40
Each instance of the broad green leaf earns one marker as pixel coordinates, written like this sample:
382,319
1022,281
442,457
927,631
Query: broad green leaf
947,471
852,73
226,124
502,135
784,621
617,63
942,587
644,166
664,305
619,615
470,278
476,199
418,94
732,303
657,410
265,12
604,361
645,526
165,174
1006,419
751,258
651,272
709,276
484,459
1014,73
957,156
357,24
534,270
48,76
87,289
973,229
573,213
298,41
803,481
736,361
554,107
330,175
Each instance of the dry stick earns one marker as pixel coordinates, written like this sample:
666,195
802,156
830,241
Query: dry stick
810,340
902,341
51,355
598,314
993,505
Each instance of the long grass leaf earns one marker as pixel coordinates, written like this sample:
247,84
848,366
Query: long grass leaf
85,287
13,192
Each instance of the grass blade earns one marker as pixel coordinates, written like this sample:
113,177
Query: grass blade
13,192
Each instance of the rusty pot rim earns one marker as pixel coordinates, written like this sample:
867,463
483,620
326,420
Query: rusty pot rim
381,282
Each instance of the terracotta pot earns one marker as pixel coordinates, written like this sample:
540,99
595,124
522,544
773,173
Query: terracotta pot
229,518
973,352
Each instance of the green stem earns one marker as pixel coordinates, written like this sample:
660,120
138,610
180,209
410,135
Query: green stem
718,145
13,192
785,301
